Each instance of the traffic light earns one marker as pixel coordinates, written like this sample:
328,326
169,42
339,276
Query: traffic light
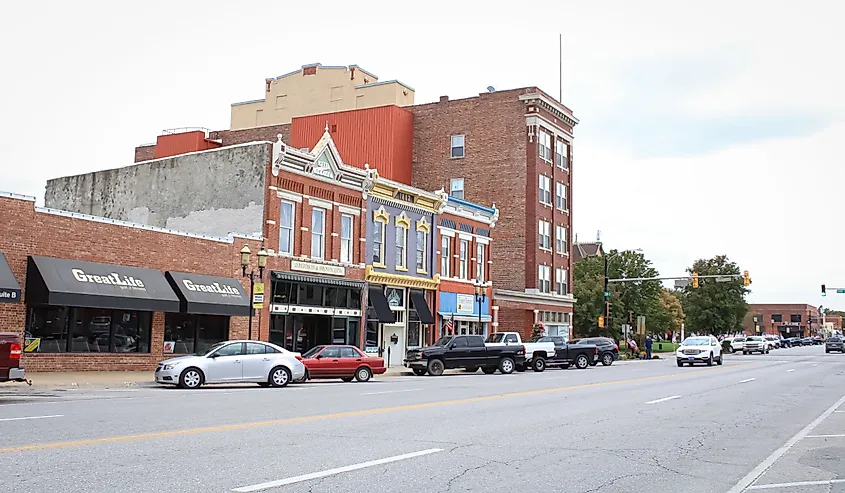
747,280
695,279
630,317
824,291
601,322
608,310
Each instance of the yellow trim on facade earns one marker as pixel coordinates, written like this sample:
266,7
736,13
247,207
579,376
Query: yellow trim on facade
401,280
403,220
429,201
381,215
422,225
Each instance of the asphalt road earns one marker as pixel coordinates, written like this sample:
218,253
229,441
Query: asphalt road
755,423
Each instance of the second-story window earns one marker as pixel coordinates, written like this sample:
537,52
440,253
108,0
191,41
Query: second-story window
378,243
560,281
481,260
445,256
401,247
544,278
346,222
318,233
545,190
545,229
560,240
456,188
463,260
560,196
286,223
422,239
457,146
545,143
562,154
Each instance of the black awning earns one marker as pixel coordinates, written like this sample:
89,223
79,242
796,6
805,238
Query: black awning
418,299
289,276
10,290
64,282
379,302
209,295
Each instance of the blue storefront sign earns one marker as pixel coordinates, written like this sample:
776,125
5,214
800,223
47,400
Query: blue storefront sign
463,307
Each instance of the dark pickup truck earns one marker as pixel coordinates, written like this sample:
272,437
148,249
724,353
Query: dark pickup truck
10,358
468,352
579,355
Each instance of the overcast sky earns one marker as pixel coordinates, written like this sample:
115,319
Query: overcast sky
704,130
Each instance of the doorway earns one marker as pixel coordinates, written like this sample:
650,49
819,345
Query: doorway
393,343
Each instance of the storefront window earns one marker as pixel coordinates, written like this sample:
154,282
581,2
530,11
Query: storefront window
284,292
194,333
90,330
371,337
414,329
310,294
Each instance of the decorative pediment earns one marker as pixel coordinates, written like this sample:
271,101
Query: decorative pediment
381,215
327,162
423,225
403,220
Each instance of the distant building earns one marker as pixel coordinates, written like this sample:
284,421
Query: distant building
315,89
787,320
582,250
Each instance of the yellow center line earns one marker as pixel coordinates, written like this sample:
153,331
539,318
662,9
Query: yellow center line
347,414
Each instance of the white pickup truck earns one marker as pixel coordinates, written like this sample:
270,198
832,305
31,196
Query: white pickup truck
536,353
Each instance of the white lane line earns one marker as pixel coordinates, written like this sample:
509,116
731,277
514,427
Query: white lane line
390,391
791,369
331,472
815,364
32,417
825,436
758,471
747,380
839,411
658,401
799,483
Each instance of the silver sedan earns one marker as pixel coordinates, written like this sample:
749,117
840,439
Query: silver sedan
233,362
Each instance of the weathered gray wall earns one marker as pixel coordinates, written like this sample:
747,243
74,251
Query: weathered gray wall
213,192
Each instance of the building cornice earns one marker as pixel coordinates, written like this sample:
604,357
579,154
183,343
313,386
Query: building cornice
487,216
534,298
302,163
549,105
400,194
371,276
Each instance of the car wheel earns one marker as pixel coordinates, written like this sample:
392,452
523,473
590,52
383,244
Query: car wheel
680,363
191,378
539,364
435,367
363,374
745,353
581,362
827,350
607,359
346,379
488,371
506,366
719,361
710,360
419,371
279,376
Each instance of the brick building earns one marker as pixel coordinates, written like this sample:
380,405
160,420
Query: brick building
513,148
787,320
100,294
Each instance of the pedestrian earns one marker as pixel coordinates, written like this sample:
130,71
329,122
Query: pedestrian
633,345
648,344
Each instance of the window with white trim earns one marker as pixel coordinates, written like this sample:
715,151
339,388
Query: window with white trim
481,259
445,256
401,247
560,196
422,240
544,278
346,223
318,233
457,146
545,190
561,245
378,243
456,188
561,286
562,154
287,213
463,260
545,229
544,139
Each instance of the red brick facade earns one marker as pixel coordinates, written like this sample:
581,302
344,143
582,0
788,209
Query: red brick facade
788,320
26,231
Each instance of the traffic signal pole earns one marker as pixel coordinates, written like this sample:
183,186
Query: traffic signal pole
727,277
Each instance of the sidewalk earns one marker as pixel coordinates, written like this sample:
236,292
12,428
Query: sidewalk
85,379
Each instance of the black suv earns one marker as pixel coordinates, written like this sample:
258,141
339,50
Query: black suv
608,350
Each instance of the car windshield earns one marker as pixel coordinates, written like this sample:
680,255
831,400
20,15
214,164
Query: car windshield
443,341
313,352
739,339
697,341
496,338
754,338
834,339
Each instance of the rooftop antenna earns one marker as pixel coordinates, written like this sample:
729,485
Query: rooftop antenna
560,64
491,89
598,236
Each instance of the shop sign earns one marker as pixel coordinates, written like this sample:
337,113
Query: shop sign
168,347
394,297
258,296
31,344
112,278
465,303
332,270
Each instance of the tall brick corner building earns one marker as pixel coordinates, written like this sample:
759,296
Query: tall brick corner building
513,149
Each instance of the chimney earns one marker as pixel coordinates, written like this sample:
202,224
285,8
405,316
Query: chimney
444,99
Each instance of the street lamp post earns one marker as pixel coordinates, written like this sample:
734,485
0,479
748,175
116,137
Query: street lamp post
480,296
262,262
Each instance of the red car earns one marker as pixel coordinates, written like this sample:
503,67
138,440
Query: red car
344,362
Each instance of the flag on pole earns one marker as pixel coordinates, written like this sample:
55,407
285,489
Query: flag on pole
449,325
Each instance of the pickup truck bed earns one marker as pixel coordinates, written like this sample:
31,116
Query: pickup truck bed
10,358
464,351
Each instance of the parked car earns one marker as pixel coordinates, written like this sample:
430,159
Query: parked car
608,349
773,341
581,355
755,344
791,341
699,349
738,344
464,351
344,362
10,358
233,362
834,343
536,353
808,341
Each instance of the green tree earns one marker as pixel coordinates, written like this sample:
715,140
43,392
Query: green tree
671,314
714,307
587,280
